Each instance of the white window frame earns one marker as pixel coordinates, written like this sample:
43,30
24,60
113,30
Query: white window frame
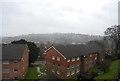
78,58
72,72
53,57
68,73
53,70
58,58
68,60
73,59
58,72
6,62
6,69
95,58
77,70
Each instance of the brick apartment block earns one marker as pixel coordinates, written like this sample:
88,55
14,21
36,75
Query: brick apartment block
14,61
68,61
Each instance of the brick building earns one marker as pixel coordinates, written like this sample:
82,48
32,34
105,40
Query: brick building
14,61
68,61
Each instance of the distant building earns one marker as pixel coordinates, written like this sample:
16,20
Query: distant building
14,61
68,61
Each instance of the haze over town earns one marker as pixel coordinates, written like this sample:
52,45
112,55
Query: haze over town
20,17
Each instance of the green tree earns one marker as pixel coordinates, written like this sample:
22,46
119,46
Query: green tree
33,49
113,33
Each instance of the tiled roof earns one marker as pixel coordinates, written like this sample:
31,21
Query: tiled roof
13,51
70,51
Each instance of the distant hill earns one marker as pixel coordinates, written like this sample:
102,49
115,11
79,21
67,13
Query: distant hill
56,38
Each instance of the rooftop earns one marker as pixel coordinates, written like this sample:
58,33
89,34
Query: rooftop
13,51
70,51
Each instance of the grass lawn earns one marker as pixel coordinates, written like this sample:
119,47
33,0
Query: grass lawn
32,73
113,71
72,79
95,70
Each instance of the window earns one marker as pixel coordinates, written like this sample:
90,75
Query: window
68,73
53,58
68,60
53,63
73,66
73,72
5,70
15,70
86,61
95,58
77,64
78,58
58,72
73,59
5,62
58,58
58,64
102,59
53,70
22,59
77,70
68,66
16,78
90,55
15,61
4,78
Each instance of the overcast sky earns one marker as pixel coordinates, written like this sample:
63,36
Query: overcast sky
63,16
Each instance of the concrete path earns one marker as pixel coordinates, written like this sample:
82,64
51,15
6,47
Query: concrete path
38,70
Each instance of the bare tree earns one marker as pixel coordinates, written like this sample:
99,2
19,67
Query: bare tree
113,33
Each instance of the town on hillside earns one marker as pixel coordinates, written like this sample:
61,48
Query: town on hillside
72,54
95,59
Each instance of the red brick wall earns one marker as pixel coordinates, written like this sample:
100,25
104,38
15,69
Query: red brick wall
63,64
53,52
101,57
22,67
88,62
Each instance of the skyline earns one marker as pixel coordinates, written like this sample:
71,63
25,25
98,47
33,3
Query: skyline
58,16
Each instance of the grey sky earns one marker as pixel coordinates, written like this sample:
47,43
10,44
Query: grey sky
49,16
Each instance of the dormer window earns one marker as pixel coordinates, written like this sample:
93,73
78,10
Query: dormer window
68,60
58,58
78,58
53,58
73,59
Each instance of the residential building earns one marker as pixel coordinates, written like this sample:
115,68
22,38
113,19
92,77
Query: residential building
14,61
68,61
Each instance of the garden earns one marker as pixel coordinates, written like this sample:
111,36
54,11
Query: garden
34,74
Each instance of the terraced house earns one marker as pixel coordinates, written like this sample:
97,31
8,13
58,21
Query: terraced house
14,61
68,61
